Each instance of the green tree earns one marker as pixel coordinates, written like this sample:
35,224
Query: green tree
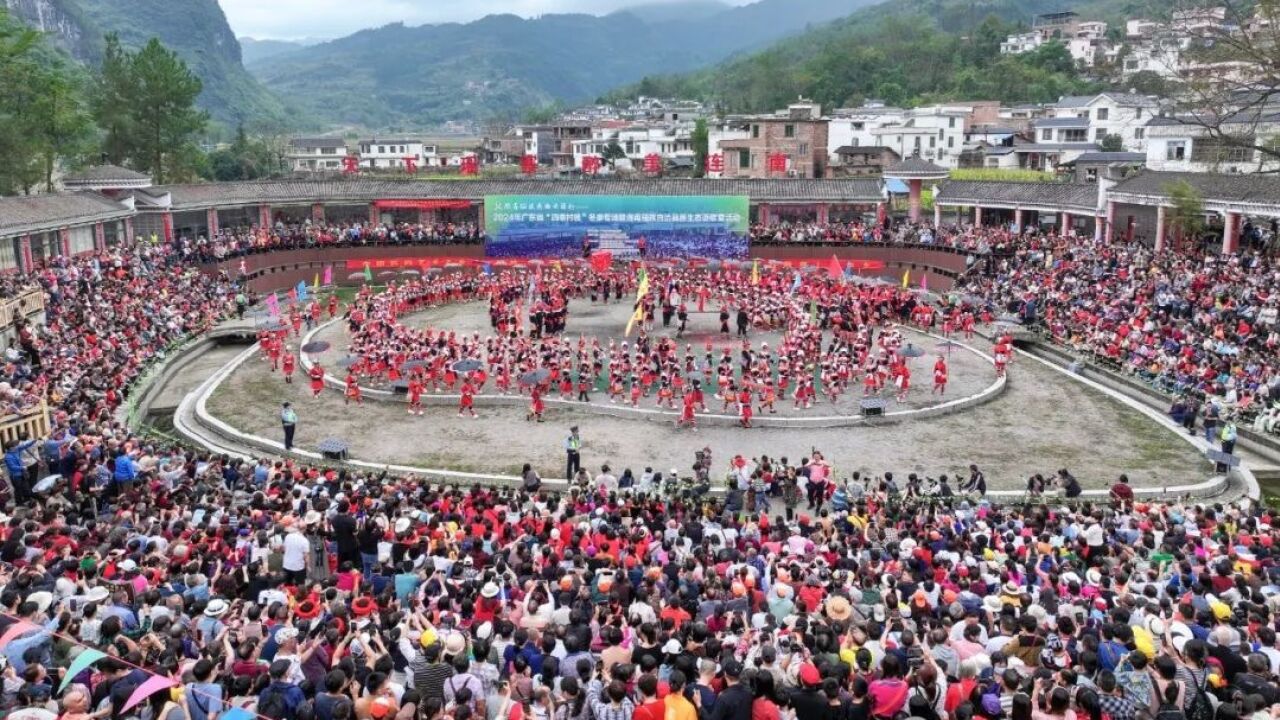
165,114
63,128
1187,218
700,138
21,166
613,152
111,101
1112,143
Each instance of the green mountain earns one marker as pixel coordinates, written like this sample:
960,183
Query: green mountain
903,52
196,29
402,77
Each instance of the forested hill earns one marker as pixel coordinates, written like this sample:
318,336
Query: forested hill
905,52
196,29
401,77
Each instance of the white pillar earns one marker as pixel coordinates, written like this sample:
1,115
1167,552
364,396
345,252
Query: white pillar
1161,214
937,214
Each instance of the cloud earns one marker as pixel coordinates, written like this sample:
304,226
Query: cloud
292,19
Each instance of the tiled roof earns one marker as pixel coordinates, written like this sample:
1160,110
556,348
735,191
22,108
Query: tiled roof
1057,147
1106,158
1125,99
1068,122
864,149
324,142
305,192
1054,195
38,213
1213,187
915,166
104,173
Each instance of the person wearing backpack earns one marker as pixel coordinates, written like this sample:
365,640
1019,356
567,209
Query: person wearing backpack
1170,707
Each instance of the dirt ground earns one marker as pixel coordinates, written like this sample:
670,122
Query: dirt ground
1041,423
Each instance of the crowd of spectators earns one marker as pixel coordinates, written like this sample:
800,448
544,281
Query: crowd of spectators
234,242
1195,324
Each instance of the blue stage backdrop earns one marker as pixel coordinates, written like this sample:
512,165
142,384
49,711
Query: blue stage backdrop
567,226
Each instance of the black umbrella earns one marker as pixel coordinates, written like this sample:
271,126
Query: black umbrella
317,346
347,362
387,274
911,351
275,327
413,365
533,377
434,271
948,345
468,365
355,276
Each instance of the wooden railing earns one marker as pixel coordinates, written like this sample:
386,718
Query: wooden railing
25,305
32,424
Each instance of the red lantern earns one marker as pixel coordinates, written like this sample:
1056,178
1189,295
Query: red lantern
653,163
715,163
590,164
470,165
529,164
777,162
411,164
350,165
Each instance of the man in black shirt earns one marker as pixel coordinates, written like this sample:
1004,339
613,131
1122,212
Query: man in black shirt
734,702
344,534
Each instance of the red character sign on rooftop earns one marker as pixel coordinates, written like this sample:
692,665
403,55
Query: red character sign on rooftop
715,163
590,164
350,165
777,162
411,164
529,164
470,165
653,163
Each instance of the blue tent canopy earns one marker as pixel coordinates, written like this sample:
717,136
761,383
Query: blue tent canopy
896,186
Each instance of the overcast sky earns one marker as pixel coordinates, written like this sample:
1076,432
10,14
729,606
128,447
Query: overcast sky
292,19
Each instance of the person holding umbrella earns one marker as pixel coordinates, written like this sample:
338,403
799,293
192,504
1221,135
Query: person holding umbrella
289,421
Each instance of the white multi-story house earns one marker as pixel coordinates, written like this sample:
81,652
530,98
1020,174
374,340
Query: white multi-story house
1086,41
933,133
854,127
1181,145
317,154
391,153
1122,114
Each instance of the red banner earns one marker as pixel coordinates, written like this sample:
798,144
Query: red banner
590,164
715,163
597,257
350,165
528,164
652,163
422,204
470,165
601,260
777,162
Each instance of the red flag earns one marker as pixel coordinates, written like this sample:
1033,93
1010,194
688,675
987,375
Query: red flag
590,164
350,165
528,164
834,268
470,165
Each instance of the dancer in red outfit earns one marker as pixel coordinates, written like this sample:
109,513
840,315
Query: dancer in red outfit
415,395
536,404
317,379
288,362
686,412
353,390
940,376
466,403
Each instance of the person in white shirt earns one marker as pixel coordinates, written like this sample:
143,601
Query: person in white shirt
296,547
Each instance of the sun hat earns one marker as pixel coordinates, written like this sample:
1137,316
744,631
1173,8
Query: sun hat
490,590
217,607
838,608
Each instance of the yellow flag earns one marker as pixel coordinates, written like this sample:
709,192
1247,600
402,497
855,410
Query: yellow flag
906,279
317,282
755,272
641,291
